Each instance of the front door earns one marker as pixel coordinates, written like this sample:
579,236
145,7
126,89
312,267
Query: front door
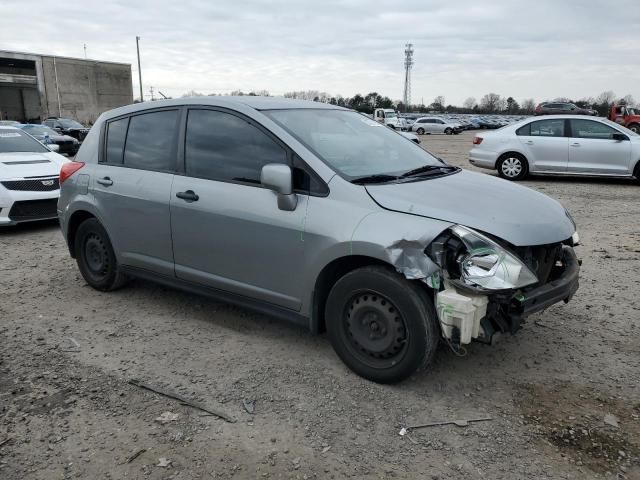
545,145
132,186
593,150
228,232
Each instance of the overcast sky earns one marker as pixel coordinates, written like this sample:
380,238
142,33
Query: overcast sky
541,48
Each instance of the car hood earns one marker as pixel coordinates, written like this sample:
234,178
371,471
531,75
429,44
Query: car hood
25,164
519,215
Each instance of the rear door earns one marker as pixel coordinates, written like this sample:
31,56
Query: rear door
228,232
545,144
593,150
132,187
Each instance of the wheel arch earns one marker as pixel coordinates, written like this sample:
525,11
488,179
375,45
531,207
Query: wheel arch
327,278
75,220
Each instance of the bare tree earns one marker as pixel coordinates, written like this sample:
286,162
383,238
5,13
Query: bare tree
439,100
606,97
528,105
491,102
193,93
470,103
629,100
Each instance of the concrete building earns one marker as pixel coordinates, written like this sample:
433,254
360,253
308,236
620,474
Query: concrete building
34,87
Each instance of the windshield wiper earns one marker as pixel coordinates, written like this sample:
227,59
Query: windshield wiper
378,178
436,169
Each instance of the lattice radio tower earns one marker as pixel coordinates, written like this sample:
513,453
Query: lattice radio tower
408,63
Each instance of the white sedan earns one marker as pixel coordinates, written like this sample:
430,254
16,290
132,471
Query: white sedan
29,171
559,144
429,125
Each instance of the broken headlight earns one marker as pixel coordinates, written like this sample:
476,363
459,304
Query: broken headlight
478,261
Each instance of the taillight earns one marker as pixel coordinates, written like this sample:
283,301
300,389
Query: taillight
477,140
69,169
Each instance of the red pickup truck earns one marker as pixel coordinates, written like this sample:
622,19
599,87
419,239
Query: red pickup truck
626,116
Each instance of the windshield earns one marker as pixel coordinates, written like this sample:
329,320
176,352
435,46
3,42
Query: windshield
17,141
390,114
351,143
67,123
39,130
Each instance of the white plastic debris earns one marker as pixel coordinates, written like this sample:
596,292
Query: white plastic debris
167,417
403,432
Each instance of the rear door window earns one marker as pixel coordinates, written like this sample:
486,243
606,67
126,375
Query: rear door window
151,141
222,146
547,128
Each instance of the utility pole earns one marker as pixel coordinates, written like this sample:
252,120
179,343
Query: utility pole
139,70
85,51
151,90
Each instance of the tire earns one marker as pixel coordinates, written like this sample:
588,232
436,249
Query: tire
420,131
448,131
96,258
513,166
635,128
636,173
381,325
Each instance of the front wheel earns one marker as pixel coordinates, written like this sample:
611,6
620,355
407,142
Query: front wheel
420,131
382,326
513,166
96,258
448,131
635,128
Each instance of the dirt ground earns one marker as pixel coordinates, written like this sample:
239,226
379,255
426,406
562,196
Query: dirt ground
563,394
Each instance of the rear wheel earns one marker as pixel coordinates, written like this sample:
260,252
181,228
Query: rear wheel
635,127
96,258
420,131
513,166
382,326
636,172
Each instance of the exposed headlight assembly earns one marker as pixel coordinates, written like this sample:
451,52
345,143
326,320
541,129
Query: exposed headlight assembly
482,263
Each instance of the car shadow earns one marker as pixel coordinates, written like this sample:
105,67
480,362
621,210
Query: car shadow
29,227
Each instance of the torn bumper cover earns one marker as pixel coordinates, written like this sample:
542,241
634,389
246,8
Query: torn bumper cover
560,289
489,286
510,309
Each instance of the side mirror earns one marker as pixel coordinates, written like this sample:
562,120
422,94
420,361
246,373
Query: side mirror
54,147
620,137
279,178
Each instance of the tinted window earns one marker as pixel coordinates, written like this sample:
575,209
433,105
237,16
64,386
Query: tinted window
150,141
525,131
116,131
547,128
589,129
221,146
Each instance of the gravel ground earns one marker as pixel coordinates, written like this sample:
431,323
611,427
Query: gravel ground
562,394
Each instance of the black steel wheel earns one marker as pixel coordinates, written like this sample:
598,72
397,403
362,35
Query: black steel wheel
96,258
382,326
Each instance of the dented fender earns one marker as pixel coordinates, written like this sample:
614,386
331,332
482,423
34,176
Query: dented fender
399,240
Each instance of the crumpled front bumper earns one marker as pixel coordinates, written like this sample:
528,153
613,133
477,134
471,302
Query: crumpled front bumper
511,309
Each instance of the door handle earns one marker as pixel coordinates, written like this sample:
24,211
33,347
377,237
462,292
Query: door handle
106,181
529,142
575,144
189,196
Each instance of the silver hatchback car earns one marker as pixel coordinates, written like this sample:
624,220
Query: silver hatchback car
319,215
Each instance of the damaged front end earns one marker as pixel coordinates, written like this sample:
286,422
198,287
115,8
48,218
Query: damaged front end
485,286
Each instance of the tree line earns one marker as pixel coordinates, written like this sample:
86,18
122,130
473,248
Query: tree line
490,103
